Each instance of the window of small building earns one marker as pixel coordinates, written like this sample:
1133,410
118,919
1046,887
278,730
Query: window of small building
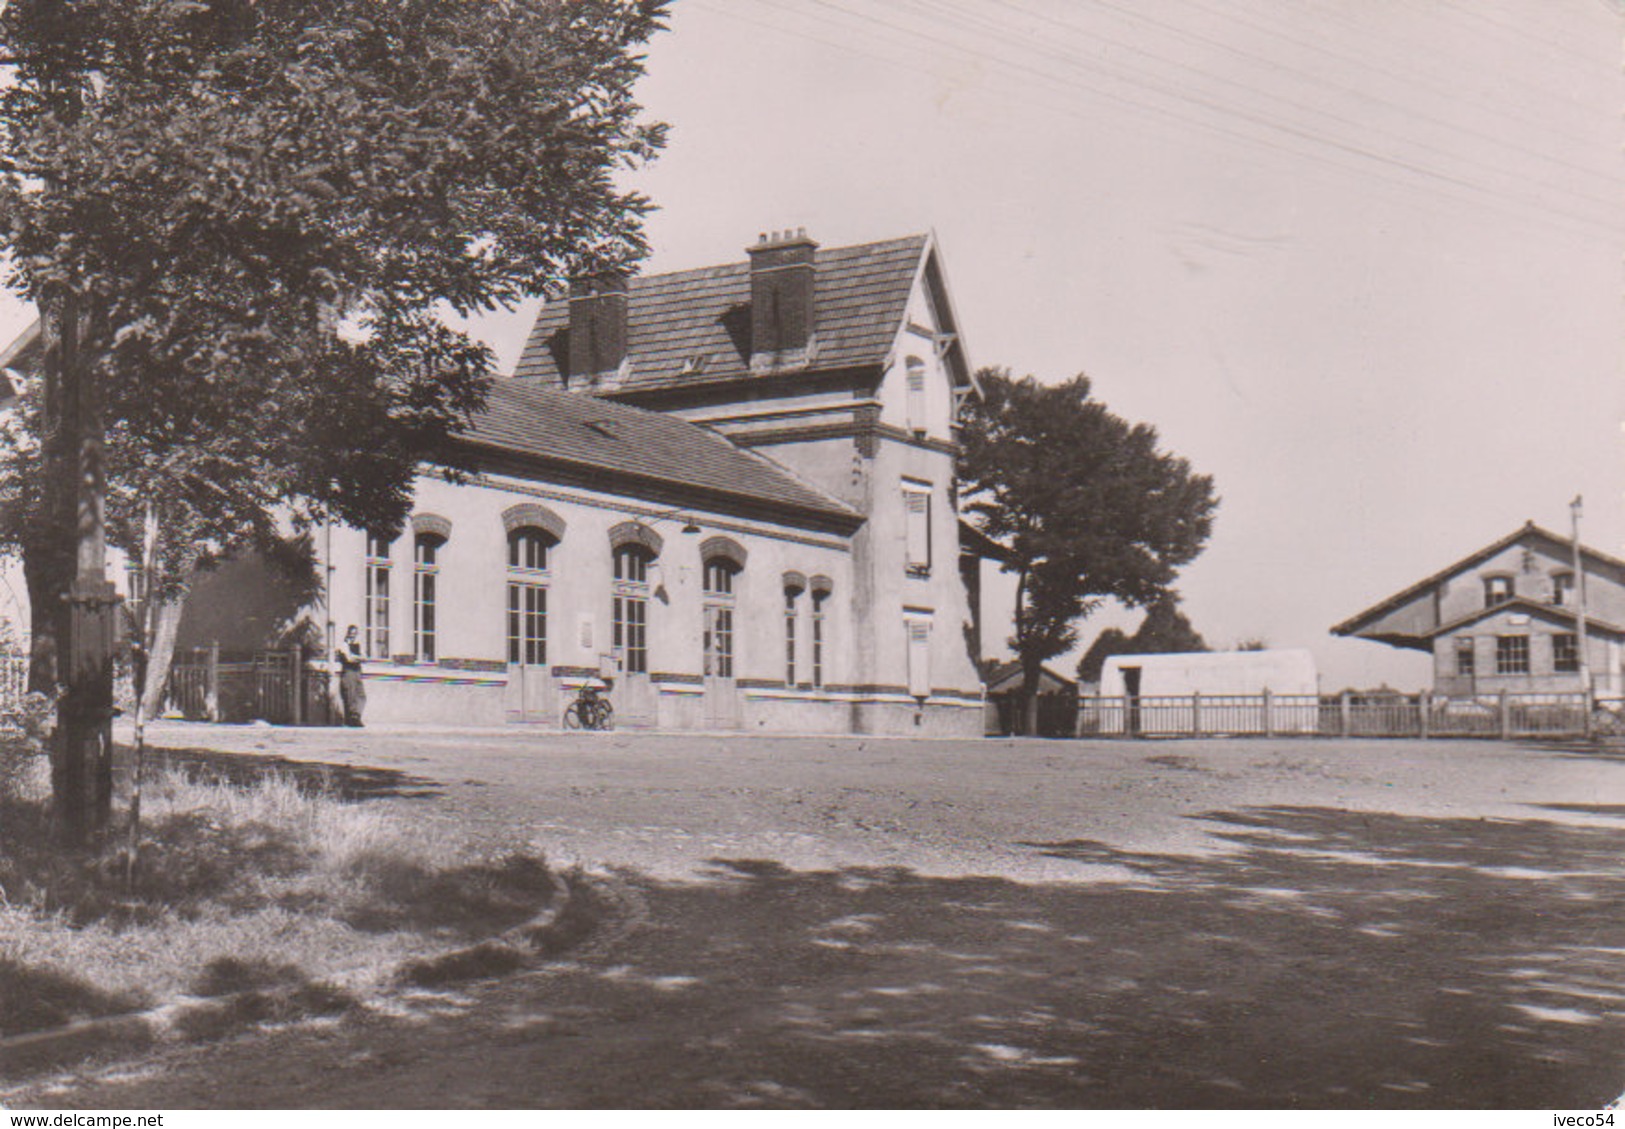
425,583
1562,588
375,639
1498,590
135,589
1464,656
1512,654
629,616
718,643
1566,653
528,577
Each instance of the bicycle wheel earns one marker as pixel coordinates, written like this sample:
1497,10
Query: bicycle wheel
572,715
603,716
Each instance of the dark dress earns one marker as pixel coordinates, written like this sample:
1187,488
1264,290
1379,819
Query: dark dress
351,692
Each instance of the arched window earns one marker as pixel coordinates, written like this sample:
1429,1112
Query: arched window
794,585
425,580
630,613
376,638
821,587
528,549
720,576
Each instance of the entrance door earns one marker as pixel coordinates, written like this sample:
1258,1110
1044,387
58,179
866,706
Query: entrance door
531,695
721,691
633,695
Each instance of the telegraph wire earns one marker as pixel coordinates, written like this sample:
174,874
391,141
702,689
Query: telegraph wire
1262,118
1320,79
1367,159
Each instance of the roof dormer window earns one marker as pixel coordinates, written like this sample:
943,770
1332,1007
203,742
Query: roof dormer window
1498,590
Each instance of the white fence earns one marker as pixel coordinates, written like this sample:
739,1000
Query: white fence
1349,715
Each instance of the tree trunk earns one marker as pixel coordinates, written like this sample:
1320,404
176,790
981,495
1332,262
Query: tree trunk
161,654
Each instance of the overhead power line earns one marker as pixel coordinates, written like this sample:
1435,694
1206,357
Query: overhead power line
1038,83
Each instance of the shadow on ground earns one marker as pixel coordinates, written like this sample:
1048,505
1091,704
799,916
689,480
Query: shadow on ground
1323,958
346,782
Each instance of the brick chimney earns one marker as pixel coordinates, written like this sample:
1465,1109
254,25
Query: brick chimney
781,298
597,325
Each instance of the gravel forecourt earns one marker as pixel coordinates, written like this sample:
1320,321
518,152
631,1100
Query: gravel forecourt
872,922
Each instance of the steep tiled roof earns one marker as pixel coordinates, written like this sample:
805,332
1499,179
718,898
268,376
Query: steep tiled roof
694,325
609,441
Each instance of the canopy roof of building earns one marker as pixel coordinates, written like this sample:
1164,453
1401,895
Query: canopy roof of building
693,327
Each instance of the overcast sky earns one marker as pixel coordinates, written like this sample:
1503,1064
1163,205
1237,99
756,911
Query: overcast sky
1360,260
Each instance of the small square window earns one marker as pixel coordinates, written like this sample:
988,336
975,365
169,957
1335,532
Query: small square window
1497,590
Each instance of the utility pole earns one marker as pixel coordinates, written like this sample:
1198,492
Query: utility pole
82,753
75,490
1580,599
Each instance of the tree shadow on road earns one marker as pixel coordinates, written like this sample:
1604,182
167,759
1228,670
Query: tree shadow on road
1318,958
1323,958
344,781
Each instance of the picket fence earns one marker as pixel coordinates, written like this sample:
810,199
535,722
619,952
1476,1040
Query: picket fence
274,686
1501,716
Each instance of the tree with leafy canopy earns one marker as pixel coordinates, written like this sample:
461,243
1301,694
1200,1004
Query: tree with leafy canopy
1087,506
1164,631
195,193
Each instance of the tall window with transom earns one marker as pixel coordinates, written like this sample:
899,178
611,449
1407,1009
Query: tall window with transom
425,582
792,612
818,601
630,611
528,576
376,638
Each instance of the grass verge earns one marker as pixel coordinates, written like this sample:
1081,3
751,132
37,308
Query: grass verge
275,898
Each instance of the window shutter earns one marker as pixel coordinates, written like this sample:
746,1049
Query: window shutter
919,657
918,532
916,394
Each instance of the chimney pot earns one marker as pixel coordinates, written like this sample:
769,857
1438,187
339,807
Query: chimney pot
782,297
597,324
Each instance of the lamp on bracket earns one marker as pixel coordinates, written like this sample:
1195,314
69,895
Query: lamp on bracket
689,524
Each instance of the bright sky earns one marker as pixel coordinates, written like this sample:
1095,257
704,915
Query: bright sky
1360,260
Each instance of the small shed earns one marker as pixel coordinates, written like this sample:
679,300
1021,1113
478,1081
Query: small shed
1144,682
1057,702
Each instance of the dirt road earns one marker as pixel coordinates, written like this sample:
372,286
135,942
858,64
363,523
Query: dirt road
879,923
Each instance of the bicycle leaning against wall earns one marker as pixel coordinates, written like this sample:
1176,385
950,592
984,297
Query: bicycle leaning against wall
590,710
